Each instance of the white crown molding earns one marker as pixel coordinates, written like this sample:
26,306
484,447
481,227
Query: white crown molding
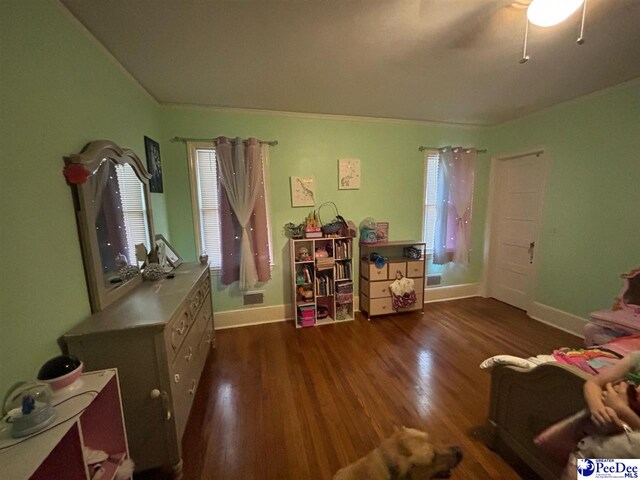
567,103
320,116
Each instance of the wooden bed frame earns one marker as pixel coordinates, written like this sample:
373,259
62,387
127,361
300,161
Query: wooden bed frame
524,402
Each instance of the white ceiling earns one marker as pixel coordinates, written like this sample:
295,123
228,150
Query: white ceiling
440,60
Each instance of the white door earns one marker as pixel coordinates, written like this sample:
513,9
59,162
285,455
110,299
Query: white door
515,223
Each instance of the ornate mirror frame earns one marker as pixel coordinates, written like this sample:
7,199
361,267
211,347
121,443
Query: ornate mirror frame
78,170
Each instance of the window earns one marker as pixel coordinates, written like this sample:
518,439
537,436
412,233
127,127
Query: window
134,209
431,163
203,168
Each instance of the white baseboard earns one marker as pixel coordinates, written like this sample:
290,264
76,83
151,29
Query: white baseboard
281,313
252,316
452,292
565,321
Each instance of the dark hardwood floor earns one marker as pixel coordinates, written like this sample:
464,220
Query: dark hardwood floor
281,403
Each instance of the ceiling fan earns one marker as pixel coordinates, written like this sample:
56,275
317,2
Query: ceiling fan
547,13
488,18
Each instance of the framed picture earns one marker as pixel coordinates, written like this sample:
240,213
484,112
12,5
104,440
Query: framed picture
154,165
170,254
382,232
303,192
348,174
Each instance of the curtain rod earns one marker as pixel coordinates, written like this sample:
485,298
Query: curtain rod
478,150
272,143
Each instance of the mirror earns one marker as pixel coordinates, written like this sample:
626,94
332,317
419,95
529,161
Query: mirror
111,194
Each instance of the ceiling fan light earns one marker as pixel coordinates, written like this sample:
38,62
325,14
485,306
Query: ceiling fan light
546,13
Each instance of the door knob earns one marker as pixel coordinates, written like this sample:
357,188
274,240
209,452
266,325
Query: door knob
532,247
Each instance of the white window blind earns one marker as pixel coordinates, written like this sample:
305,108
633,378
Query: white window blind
134,209
432,162
208,209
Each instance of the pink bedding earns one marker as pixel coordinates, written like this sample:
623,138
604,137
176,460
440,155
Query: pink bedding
594,359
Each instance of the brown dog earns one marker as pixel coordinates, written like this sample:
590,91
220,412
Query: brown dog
408,453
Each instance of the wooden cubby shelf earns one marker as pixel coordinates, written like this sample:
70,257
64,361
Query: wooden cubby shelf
322,279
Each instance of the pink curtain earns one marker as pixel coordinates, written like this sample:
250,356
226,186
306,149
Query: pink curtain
454,201
242,192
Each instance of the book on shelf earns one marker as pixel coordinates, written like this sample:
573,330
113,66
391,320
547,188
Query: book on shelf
324,285
305,273
325,263
342,249
343,271
344,287
313,234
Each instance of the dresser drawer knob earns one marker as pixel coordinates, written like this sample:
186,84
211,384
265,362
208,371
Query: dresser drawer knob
188,356
155,393
192,390
176,378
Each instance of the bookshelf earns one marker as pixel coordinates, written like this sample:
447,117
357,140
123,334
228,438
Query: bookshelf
322,280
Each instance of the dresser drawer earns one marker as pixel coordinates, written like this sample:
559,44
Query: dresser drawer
415,269
379,289
185,371
396,268
380,306
205,284
370,271
176,332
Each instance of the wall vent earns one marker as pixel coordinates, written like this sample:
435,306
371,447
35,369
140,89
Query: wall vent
434,280
253,298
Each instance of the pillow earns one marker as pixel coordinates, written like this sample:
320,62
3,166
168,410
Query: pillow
507,360
623,445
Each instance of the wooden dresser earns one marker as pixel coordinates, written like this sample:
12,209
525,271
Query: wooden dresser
158,336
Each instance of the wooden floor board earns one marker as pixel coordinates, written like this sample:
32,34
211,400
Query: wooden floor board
280,403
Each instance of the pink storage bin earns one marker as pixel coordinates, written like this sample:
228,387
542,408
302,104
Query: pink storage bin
306,322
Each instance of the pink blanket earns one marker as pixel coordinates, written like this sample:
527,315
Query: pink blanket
594,359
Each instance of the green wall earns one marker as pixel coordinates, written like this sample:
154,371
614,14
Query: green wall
591,221
58,91
392,178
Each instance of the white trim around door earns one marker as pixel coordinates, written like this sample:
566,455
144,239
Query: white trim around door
513,240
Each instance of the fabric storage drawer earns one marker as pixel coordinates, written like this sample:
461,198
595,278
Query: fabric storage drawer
379,289
380,306
396,268
415,269
371,272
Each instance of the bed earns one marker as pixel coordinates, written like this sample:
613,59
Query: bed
524,401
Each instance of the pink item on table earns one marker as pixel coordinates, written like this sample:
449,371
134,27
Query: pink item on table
65,380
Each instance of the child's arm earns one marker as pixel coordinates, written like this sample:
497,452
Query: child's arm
615,401
601,414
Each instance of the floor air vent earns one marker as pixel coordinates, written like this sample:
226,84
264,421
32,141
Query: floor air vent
434,280
254,298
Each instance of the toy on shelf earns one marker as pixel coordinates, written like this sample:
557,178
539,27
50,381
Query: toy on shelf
312,226
368,231
303,255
